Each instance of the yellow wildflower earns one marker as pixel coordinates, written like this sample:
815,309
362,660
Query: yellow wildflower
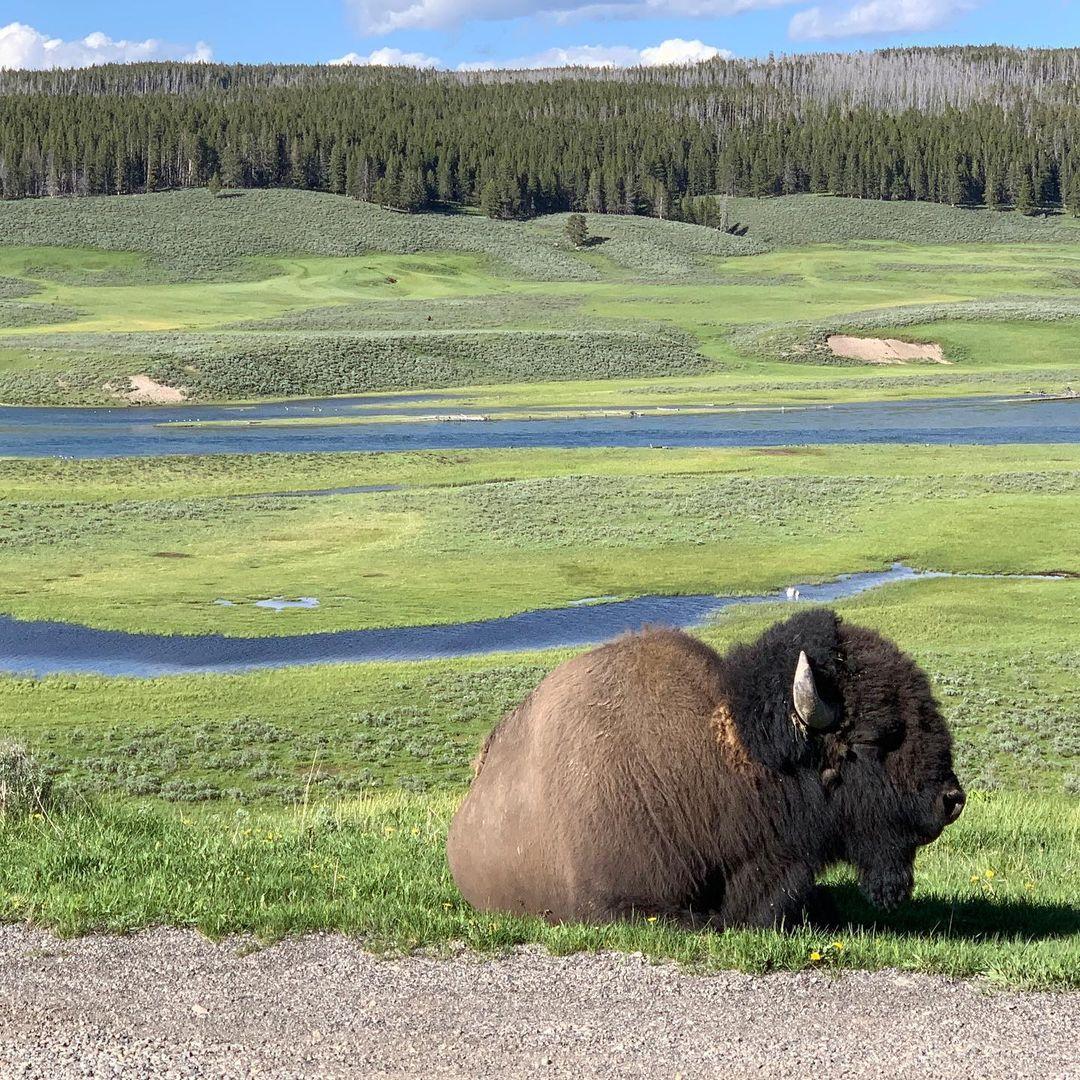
989,872
815,956
838,946
651,919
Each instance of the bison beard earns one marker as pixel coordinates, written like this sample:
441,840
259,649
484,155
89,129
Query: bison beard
652,776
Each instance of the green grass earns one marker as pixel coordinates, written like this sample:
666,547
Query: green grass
995,896
797,220
256,736
313,798
150,545
276,294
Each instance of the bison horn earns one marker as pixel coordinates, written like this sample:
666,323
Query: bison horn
811,710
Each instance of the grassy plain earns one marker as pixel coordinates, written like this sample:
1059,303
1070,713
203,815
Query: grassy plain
150,545
275,294
312,798
309,798
339,730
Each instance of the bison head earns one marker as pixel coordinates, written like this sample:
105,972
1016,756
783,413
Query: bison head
867,714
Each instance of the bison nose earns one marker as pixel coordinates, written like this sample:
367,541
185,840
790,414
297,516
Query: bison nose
952,802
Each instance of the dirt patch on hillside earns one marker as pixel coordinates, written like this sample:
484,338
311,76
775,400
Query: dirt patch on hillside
885,350
145,391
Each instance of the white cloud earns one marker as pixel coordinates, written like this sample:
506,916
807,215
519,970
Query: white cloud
672,51
389,57
22,46
679,51
875,17
384,16
571,56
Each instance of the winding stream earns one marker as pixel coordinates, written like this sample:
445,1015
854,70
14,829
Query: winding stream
44,648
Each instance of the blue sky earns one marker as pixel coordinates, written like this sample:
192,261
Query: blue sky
453,33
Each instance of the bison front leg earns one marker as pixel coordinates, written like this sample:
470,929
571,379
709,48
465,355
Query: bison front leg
780,896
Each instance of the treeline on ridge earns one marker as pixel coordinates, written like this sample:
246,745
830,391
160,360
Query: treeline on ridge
992,126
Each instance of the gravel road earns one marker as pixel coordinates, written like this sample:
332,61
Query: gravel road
168,1003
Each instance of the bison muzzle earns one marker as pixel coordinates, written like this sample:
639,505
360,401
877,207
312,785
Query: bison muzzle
653,776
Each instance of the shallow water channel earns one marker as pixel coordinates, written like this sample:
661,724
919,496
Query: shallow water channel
44,648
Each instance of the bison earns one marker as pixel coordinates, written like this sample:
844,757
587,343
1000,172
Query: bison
654,777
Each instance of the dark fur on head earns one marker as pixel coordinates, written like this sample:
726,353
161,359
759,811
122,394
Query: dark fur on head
886,765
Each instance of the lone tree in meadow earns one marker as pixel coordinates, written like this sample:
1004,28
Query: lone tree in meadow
577,229
213,185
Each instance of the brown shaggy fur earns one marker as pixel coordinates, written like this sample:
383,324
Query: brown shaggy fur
653,776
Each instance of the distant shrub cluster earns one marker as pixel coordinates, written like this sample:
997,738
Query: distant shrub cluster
95,367
289,364
15,314
805,342
16,288
195,237
253,758
796,222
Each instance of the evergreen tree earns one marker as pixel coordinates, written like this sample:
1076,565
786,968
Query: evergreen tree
594,200
232,168
1072,198
490,201
352,176
153,151
336,170
759,176
959,183
577,229
213,185
1025,197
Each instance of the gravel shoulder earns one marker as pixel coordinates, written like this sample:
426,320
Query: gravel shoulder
169,1003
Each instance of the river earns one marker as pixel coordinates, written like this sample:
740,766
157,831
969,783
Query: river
148,431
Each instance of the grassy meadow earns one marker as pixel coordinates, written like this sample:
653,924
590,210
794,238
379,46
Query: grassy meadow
301,798
265,294
309,798
149,545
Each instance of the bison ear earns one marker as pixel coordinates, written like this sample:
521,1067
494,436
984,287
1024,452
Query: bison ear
815,713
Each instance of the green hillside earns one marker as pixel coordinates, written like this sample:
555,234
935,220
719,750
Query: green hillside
281,293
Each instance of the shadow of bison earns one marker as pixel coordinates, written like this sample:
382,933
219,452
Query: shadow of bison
652,776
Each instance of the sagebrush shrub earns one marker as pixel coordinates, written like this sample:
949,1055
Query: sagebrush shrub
25,787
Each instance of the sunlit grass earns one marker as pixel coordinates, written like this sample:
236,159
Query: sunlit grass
995,895
154,543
